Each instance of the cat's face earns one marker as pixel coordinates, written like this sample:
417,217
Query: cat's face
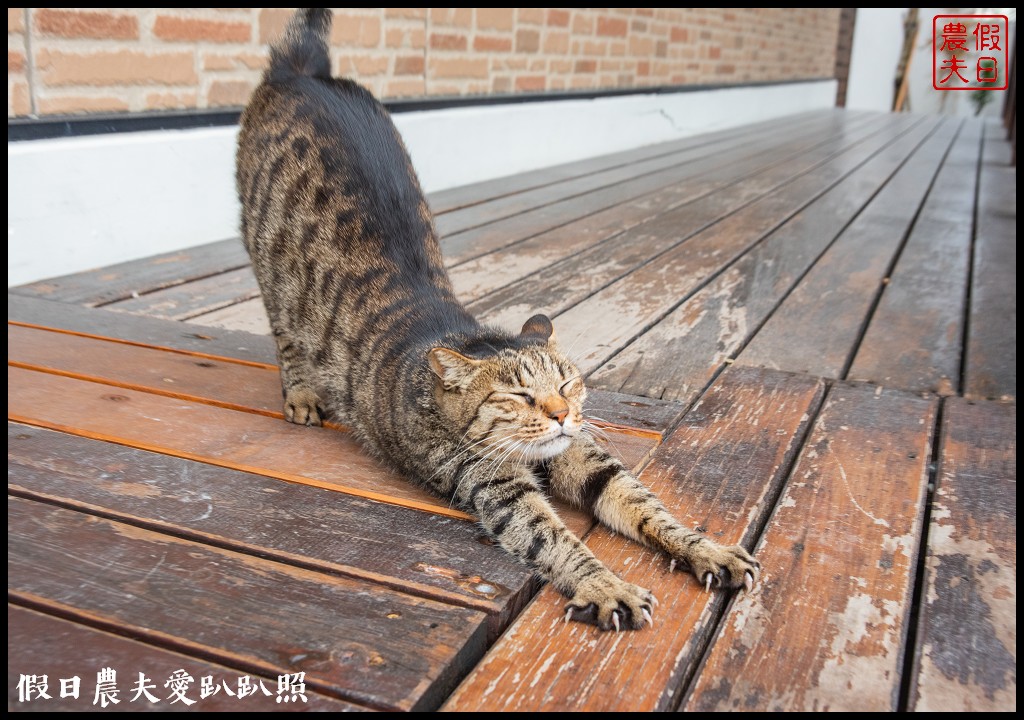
521,404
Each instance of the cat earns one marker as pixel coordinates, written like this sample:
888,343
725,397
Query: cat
369,332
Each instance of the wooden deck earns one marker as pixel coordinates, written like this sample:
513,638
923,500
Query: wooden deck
802,334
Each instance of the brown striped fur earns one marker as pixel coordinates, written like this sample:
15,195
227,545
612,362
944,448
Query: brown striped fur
369,332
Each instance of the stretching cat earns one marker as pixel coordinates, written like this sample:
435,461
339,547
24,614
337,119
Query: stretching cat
369,331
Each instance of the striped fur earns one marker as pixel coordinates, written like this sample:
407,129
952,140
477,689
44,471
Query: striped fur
369,332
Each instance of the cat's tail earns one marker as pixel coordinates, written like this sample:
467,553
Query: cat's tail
303,49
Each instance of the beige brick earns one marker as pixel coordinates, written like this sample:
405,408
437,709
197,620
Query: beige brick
582,23
495,18
466,67
530,16
452,17
448,41
78,104
15,61
85,24
356,30
409,65
115,67
213,62
592,47
558,18
531,83
15,20
369,65
272,22
560,66
501,84
170,101
613,27
556,43
410,37
228,93
20,102
409,13
404,88
527,41
492,43
186,29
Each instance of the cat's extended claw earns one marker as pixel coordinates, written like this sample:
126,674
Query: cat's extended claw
615,620
672,566
647,616
707,582
748,580
568,615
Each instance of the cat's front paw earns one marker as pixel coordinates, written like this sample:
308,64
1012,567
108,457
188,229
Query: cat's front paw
300,407
609,602
722,566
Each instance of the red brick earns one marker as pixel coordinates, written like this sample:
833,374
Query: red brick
531,83
408,13
458,67
492,43
530,16
556,43
715,52
15,61
116,67
527,41
643,68
495,18
85,24
169,27
409,65
20,99
447,41
679,34
356,30
76,104
15,20
272,22
616,27
558,18
225,93
170,101
585,66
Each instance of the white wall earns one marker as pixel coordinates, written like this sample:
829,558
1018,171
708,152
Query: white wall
79,203
877,42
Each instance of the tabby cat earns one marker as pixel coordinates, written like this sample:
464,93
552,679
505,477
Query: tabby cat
369,332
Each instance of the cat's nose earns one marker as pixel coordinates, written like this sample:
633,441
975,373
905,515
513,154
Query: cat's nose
559,415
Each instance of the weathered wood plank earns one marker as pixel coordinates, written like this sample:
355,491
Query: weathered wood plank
414,552
721,470
991,354
248,316
627,307
478,241
966,657
466,218
116,282
444,201
39,644
141,330
915,337
817,327
733,175
356,641
824,628
195,297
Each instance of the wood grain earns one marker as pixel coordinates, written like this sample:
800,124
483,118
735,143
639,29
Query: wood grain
247,316
720,470
991,353
824,628
419,553
915,337
678,356
817,327
966,659
38,644
182,302
117,282
359,642
623,310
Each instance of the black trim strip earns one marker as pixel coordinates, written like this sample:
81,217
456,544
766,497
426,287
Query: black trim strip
19,129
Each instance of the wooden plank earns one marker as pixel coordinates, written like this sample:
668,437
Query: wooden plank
991,352
679,355
473,243
116,282
720,470
356,641
741,177
915,337
687,240
249,316
458,221
444,201
823,630
966,657
43,645
141,330
419,553
817,327
624,309
194,298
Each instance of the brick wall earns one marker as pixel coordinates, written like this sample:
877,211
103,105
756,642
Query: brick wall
64,61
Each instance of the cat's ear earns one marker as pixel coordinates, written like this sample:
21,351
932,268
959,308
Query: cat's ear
540,327
455,370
